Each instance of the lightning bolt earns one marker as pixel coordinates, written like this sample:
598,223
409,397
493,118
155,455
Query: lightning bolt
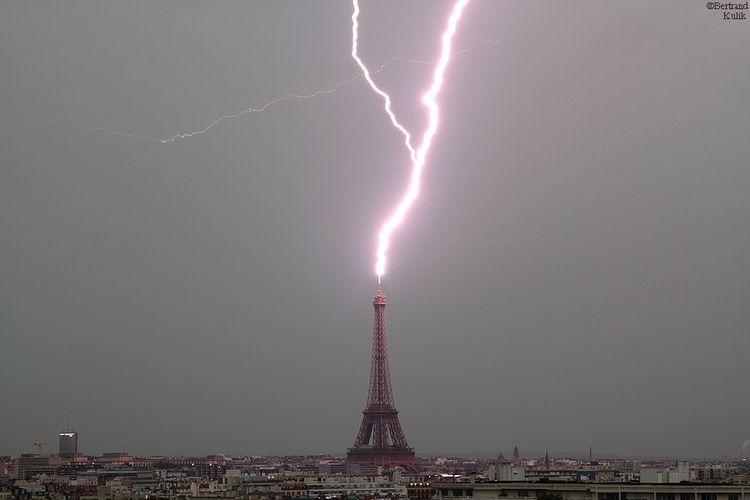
418,157
366,73
386,97
258,110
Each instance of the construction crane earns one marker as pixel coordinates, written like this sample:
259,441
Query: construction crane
40,446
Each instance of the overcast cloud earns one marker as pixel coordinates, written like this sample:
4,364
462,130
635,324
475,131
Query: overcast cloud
575,272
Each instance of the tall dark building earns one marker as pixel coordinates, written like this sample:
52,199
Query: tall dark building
380,440
68,443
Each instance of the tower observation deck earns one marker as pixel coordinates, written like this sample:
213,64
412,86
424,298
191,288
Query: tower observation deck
380,440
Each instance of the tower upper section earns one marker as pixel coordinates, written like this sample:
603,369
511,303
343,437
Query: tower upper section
380,395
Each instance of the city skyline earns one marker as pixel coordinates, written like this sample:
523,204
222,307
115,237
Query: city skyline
191,197
120,476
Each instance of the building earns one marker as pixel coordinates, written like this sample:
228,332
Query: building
657,475
27,466
68,443
585,490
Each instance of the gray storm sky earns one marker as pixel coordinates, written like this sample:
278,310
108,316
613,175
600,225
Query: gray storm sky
575,271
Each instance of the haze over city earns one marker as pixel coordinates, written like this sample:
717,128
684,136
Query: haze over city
573,274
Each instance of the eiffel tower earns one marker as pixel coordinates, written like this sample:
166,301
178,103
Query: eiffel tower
380,440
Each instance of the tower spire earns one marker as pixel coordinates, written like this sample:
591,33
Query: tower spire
380,440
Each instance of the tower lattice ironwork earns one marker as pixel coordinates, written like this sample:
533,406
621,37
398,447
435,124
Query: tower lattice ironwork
380,440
